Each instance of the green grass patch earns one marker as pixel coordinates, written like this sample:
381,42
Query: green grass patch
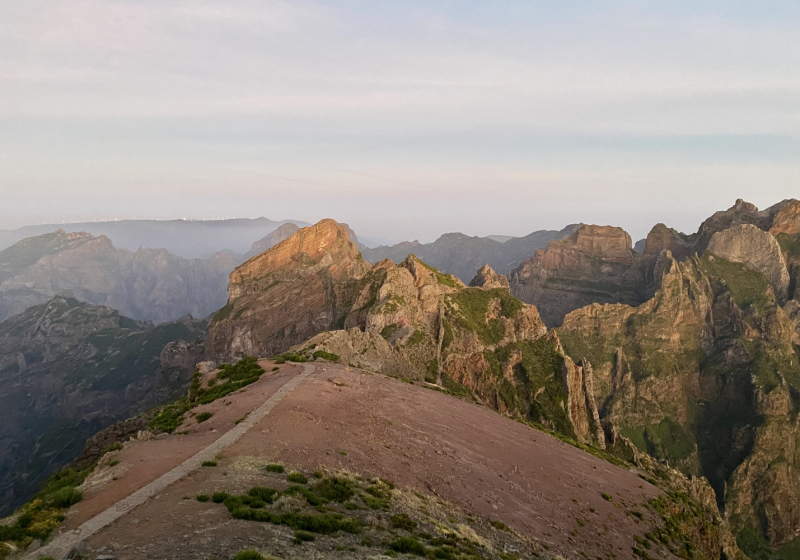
748,287
404,522
223,313
203,416
389,331
275,468
297,478
209,463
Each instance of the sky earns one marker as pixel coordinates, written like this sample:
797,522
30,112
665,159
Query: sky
405,119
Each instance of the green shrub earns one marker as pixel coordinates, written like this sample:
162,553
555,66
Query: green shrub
202,498
263,493
303,536
203,416
275,467
296,477
209,463
499,525
309,496
218,497
607,497
65,497
408,545
326,356
404,522
248,555
290,357
335,489
116,446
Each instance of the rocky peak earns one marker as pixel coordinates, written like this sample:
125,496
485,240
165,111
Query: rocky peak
594,264
663,238
602,241
304,285
740,213
488,279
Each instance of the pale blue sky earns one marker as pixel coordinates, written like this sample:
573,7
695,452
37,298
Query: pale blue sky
405,119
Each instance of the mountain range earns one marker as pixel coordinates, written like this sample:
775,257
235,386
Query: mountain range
679,361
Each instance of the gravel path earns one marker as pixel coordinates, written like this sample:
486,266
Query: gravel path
62,544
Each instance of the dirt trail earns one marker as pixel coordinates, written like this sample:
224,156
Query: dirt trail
61,545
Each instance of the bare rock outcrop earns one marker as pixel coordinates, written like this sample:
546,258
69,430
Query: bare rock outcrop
412,321
304,285
787,219
488,279
756,249
596,264
662,238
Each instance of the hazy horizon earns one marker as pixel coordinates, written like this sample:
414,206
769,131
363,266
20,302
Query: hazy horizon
403,120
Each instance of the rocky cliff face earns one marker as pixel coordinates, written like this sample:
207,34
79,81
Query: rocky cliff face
302,286
69,369
412,321
149,284
706,374
596,264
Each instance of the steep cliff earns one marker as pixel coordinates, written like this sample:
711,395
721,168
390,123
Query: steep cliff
304,285
69,369
706,374
412,321
596,264
149,284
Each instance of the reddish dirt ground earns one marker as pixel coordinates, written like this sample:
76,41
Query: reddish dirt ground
421,439
142,462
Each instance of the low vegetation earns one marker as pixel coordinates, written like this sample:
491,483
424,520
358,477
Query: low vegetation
336,506
230,378
45,512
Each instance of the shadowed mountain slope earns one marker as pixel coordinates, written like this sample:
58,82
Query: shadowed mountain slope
461,255
67,370
188,238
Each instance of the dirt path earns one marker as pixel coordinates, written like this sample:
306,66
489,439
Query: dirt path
62,544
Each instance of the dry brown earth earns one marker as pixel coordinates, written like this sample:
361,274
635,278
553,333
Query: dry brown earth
342,418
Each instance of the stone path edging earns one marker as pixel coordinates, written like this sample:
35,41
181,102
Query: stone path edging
62,544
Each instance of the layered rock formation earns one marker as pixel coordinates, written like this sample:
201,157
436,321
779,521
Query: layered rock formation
596,264
67,370
304,285
149,284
